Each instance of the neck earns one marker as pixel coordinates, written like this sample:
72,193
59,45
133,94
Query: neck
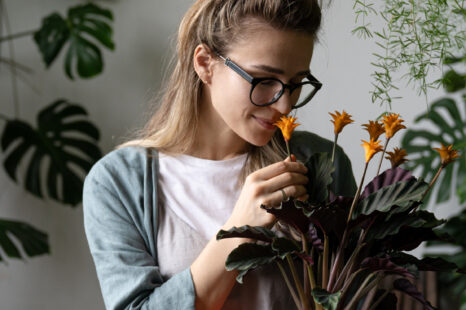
214,139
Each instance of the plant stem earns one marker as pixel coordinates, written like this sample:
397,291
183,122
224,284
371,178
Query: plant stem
4,117
340,251
334,147
299,287
432,182
288,283
356,197
307,291
17,35
312,280
288,149
14,83
325,262
378,301
344,273
383,154
360,291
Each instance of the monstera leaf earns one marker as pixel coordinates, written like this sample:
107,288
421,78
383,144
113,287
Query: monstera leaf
55,139
449,128
33,241
84,22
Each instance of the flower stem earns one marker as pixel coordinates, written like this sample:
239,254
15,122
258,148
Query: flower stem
325,262
432,182
383,154
288,283
288,149
356,197
304,302
334,147
340,251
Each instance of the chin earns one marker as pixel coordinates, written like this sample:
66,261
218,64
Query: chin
259,140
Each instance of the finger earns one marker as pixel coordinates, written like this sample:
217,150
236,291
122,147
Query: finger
303,198
285,179
279,168
275,198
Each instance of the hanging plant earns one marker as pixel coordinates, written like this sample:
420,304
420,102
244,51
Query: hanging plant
34,242
82,23
55,138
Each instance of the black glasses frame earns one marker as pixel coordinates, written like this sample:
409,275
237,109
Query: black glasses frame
255,81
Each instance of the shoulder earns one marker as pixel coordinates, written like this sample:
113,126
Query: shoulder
119,168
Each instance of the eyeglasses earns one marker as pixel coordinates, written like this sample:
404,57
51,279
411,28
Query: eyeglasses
266,91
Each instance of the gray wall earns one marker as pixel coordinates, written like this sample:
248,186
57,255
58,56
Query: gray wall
116,102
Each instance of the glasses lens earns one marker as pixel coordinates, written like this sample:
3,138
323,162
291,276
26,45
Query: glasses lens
266,91
303,94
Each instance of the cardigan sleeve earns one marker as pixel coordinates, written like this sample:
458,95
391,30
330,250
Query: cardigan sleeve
118,241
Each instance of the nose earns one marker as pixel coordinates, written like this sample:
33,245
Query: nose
283,104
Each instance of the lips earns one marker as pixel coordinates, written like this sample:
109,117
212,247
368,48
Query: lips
266,123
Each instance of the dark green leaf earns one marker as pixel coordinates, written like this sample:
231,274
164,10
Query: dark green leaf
284,246
249,256
257,233
33,241
453,82
400,194
386,226
327,300
408,288
427,263
47,141
83,22
320,169
51,37
290,214
376,264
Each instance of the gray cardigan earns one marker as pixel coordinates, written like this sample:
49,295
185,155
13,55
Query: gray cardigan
119,205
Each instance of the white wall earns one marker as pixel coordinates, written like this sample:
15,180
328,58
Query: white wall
116,101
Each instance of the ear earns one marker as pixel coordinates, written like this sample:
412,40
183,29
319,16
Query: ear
203,63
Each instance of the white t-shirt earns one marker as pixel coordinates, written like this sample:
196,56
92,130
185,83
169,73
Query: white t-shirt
201,192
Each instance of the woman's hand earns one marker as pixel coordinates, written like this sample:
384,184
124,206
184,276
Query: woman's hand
264,187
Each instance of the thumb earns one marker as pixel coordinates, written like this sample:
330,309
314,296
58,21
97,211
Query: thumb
290,158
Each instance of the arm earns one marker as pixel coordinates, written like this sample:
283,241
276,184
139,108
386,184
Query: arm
128,275
211,281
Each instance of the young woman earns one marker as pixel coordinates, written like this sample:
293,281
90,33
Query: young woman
207,160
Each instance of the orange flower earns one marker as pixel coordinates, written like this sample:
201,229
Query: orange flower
375,129
287,126
371,148
392,124
340,120
397,157
447,154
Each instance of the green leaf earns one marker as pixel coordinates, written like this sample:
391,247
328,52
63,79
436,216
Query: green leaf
33,241
52,36
453,82
327,300
320,169
83,22
446,125
52,139
400,194
256,232
249,256
387,226
284,246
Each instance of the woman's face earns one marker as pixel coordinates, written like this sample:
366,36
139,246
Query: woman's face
265,52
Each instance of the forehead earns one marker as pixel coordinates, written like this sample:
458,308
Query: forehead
260,42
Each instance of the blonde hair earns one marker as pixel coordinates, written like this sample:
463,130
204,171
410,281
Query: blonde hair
218,24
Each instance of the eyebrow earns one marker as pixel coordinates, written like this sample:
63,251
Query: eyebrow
278,71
